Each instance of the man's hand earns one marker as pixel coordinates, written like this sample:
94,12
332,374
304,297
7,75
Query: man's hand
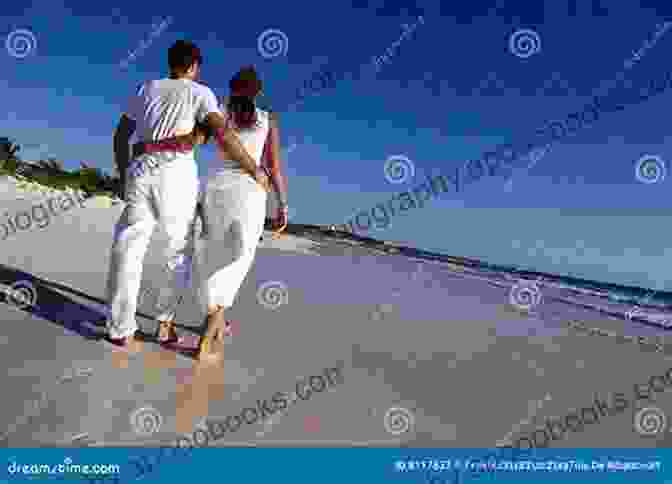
262,179
229,143
125,129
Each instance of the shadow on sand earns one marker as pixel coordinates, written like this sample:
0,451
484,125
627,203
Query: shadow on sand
49,300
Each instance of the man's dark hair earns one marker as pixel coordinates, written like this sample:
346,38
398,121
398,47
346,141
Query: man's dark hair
182,55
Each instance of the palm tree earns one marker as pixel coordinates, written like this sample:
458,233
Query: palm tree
8,147
8,150
52,164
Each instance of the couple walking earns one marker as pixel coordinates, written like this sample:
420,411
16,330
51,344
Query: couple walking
171,116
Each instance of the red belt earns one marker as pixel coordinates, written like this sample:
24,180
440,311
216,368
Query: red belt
182,144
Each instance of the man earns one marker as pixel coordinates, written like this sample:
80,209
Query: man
161,183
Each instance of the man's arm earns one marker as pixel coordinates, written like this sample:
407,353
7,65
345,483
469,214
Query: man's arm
122,135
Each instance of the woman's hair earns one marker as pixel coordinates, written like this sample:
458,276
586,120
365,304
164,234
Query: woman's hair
246,84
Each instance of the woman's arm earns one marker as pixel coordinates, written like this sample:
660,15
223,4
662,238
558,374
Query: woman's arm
272,160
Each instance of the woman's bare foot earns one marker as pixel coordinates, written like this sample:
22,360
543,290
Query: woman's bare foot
211,345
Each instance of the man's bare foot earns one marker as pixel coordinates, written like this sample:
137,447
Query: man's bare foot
133,345
128,344
167,333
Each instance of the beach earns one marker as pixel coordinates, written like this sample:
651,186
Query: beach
440,344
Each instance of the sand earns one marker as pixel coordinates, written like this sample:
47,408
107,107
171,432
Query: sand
438,340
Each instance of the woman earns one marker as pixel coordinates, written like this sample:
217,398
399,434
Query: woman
233,210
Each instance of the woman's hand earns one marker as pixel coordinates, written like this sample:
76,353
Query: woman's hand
281,222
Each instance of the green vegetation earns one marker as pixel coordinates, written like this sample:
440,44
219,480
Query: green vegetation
51,173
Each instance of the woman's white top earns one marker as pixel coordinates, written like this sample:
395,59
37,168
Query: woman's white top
252,139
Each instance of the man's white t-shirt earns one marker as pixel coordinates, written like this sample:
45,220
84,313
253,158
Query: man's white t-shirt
170,107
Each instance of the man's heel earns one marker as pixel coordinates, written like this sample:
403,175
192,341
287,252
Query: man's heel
166,333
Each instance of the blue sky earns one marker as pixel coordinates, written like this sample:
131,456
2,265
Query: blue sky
451,91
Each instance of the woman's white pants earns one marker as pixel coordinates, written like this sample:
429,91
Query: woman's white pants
234,209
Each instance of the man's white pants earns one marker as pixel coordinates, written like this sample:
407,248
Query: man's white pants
234,207
165,195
